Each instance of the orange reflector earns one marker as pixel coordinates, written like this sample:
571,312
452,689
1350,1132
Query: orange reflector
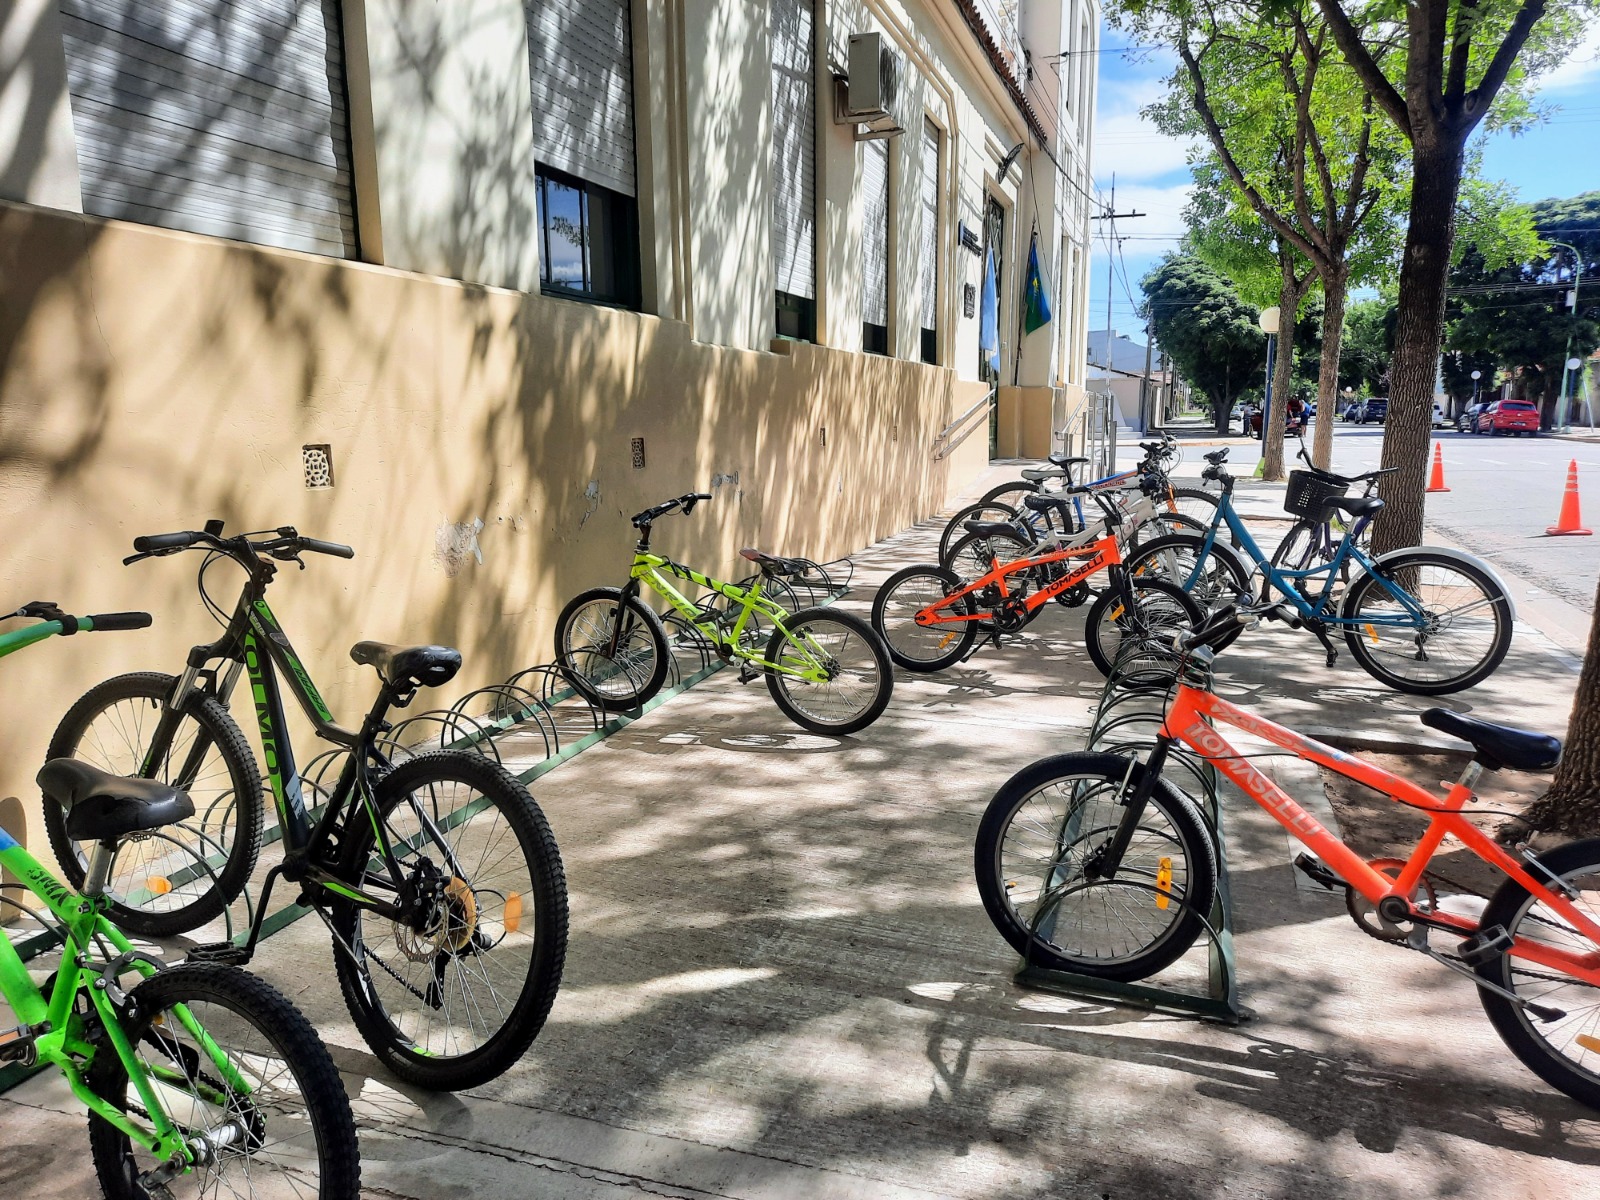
1116,613
1372,634
158,885
946,640
513,915
1588,1042
1164,883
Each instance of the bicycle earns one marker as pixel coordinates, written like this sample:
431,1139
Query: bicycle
196,1075
1425,620
827,671
929,616
436,875
1096,864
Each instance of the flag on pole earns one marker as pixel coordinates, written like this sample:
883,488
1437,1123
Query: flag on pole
1037,311
989,315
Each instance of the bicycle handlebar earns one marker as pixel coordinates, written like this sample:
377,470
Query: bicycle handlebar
1342,480
286,544
108,622
686,502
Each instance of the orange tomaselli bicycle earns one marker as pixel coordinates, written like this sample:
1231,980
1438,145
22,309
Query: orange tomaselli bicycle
930,615
1093,863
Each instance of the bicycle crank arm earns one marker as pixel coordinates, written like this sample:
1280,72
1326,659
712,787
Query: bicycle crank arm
1419,941
1321,632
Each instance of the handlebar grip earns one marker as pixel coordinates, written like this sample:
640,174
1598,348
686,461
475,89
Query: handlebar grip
701,495
106,622
154,543
318,546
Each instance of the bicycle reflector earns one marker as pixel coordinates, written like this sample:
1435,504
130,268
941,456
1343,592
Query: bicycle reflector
513,912
1164,883
158,885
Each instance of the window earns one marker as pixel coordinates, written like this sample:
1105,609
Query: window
994,240
930,242
794,169
589,240
875,246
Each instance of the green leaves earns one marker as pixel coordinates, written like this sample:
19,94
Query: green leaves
1205,328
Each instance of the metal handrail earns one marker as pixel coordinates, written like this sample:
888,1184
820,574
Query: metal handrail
941,450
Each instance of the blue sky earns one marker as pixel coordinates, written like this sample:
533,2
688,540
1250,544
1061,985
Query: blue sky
1559,158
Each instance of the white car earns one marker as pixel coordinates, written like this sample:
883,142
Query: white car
1439,419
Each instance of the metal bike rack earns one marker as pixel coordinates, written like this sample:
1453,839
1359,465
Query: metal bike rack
1130,712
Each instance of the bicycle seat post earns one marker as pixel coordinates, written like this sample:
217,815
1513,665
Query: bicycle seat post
94,880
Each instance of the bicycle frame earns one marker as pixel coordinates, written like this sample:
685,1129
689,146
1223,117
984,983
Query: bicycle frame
1191,719
55,1028
1285,581
653,569
1102,554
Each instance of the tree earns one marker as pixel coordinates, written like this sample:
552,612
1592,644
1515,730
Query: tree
1368,342
1208,332
1297,136
1434,68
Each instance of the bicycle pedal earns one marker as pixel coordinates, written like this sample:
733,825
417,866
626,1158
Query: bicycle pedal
1313,870
1484,945
218,952
747,673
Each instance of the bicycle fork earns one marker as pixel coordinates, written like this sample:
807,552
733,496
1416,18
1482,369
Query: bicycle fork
1105,860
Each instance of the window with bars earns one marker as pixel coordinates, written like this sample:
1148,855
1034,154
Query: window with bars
875,246
930,241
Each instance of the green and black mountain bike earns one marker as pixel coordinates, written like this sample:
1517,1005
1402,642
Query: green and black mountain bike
437,874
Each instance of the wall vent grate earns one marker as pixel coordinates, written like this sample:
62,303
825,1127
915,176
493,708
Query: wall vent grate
318,462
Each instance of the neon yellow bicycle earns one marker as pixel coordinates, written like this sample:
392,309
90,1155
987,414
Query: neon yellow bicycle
827,670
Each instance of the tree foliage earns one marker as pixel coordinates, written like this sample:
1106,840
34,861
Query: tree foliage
1208,332
1368,343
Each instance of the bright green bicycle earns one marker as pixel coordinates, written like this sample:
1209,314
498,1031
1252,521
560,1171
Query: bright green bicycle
827,670
199,1079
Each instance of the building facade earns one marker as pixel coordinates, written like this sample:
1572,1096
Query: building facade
464,284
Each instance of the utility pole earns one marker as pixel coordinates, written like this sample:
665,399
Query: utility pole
1111,215
1562,410
1145,404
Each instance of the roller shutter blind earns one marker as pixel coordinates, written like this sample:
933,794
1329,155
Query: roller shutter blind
794,152
580,60
930,225
222,119
875,232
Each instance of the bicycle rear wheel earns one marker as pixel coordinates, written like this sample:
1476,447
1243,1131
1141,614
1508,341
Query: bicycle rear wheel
1563,1051
613,651
1461,637
453,998
860,677
1160,612
955,528
177,878
279,1129
923,648
1035,855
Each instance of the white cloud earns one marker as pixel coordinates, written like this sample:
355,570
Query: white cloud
1581,68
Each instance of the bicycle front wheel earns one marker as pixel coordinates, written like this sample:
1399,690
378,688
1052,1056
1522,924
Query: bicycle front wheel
244,1076
856,680
177,878
1159,612
1037,859
956,527
454,996
1460,637
923,648
1565,1050
612,650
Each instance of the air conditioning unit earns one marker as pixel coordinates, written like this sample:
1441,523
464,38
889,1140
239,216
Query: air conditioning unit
866,96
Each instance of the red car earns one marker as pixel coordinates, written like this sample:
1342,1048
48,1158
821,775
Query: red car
1509,416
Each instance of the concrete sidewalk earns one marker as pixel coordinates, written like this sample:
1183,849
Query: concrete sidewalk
782,984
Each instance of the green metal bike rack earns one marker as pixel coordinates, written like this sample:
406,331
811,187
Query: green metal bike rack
1136,692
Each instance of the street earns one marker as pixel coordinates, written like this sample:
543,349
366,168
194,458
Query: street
1504,493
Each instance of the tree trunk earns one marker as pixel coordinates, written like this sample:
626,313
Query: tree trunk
1334,285
1572,805
1221,412
1419,332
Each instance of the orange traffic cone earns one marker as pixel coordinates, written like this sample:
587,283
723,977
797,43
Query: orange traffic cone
1436,480
1570,522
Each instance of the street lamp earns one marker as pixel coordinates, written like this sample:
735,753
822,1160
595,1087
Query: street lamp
1268,320
1572,303
1476,375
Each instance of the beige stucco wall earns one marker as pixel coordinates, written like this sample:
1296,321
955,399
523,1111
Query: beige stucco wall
1026,422
150,380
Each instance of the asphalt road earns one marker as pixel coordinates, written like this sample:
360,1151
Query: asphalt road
1504,492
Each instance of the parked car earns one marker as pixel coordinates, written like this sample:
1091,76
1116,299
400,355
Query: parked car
1510,416
1439,419
1351,411
1373,409
1467,422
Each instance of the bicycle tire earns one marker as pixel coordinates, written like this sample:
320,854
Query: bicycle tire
419,1049
227,796
1172,858
1548,1049
222,999
1165,609
1379,656
1223,577
955,528
614,682
912,646
1017,488
974,556
1162,523
866,689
